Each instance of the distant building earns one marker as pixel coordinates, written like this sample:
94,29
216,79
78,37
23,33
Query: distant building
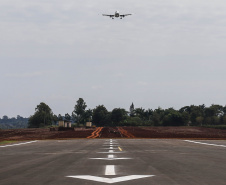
88,124
64,123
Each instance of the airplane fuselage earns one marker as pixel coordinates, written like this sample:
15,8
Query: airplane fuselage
117,14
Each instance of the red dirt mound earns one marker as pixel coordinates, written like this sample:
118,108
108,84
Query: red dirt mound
40,134
176,132
110,132
114,132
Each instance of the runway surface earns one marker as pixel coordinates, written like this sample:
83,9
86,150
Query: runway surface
114,161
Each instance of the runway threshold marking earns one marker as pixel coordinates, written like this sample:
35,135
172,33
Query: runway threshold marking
196,142
18,144
110,170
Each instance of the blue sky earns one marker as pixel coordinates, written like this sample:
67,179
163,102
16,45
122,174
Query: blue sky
169,53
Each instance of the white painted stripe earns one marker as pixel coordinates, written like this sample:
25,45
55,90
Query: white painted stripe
110,148
205,143
110,170
111,151
18,144
111,156
110,180
110,159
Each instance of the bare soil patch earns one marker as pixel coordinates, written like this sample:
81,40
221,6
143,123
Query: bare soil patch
41,134
114,132
177,132
110,132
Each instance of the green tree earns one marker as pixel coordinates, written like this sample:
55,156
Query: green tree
55,119
172,118
60,118
88,115
100,116
132,121
5,117
79,111
199,120
43,116
118,115
140,112
157,116
67,117
224,119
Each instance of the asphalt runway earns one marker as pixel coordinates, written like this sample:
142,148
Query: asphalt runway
116,161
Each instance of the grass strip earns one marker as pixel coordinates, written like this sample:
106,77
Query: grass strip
7,142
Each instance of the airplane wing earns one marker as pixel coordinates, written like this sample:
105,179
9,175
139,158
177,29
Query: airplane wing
108,15
123,15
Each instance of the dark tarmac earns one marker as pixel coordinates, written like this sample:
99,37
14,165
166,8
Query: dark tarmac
116,161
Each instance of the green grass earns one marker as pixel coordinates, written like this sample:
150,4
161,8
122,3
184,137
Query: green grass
6,142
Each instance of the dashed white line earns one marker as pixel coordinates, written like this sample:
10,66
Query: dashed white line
196,142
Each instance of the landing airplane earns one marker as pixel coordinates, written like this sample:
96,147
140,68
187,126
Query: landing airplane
117,15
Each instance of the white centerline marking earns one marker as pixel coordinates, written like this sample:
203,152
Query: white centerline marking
110,152
18,144
110,170
205,143
111,156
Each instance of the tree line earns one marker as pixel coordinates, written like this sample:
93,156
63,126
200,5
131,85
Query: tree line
189,115
10,123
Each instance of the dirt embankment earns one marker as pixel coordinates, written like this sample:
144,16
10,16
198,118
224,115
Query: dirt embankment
176,132
114,132
41,134
110,132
